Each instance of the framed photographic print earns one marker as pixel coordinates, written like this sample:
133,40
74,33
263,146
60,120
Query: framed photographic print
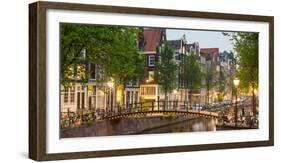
112,81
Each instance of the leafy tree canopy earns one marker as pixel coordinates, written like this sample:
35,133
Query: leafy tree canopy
166,69
113,48
191,72
246,47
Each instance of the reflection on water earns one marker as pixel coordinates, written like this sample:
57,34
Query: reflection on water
199,124
148,125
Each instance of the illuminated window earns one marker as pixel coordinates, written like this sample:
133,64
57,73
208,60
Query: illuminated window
150,75
148,91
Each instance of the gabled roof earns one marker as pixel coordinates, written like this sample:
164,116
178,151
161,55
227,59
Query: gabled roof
152,37
214,52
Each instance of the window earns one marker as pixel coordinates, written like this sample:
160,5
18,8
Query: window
151,90
78,100
150,75
83,100
72,93
133,83
94,97
72,97
93,71
151,60
128,97
136,97
65,97
94,90
129,84
148,91
142,90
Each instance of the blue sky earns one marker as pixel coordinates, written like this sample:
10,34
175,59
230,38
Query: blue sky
206,39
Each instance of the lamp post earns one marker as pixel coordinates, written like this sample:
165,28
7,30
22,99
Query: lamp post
254,102
175,102
236,83
175,92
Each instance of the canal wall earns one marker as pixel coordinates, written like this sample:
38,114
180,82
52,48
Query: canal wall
125,126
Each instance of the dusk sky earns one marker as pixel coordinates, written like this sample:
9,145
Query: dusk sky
206,39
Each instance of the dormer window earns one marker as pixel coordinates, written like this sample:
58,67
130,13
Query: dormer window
151,60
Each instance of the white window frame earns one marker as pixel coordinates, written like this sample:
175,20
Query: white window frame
149,58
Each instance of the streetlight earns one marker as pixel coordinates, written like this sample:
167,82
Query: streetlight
255,91
236,83
110,84
175,92
254,102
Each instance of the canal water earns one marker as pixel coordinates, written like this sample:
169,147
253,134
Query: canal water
193,125
148,125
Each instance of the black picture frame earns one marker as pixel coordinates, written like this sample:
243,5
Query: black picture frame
37,79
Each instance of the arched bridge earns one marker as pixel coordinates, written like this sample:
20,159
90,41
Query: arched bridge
156,108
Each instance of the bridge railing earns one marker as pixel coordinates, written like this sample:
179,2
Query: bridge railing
83,116
148,107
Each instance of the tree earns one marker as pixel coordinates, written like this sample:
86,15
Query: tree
113,48
246,45
210,76
191,74
166,69
221,86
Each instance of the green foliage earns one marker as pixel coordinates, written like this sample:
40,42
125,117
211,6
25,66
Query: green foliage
221,82
246,47
210,75
113,48
221,85
191,74
166,69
